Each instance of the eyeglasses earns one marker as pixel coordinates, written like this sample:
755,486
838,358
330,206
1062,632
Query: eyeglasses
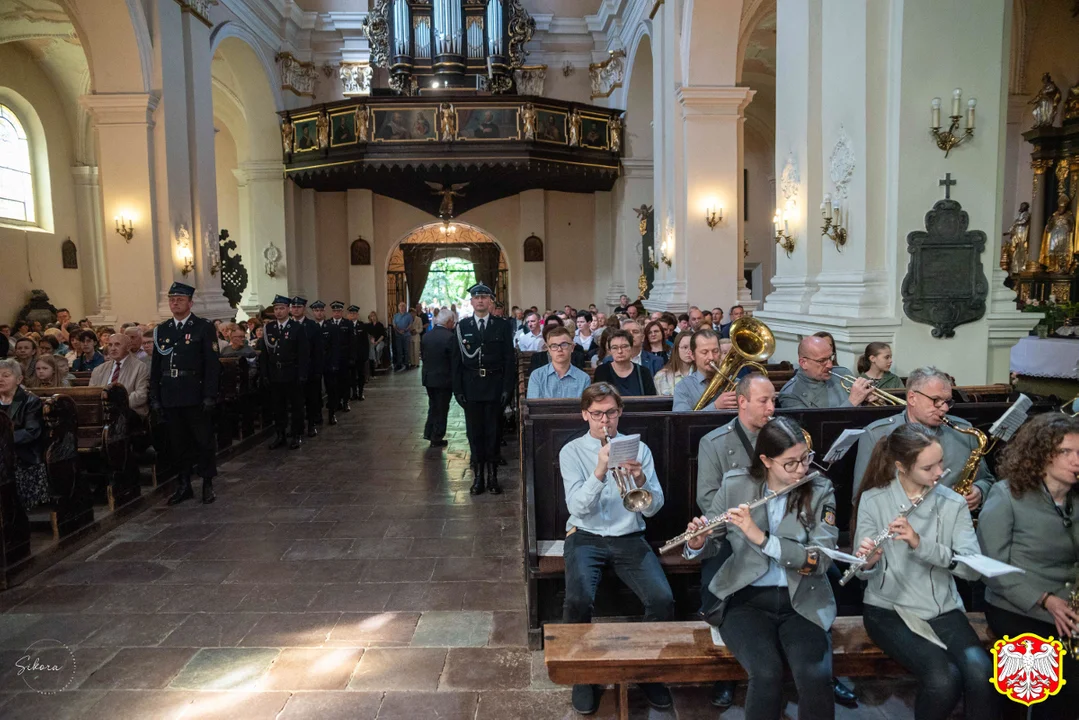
560,346
598,415
937,402
619,348
804,461
820,361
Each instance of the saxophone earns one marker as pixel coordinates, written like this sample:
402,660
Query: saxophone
970,469
1071,644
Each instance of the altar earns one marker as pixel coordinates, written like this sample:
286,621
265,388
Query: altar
1046,366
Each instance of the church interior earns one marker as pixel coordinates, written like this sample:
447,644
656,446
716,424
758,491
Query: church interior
897,172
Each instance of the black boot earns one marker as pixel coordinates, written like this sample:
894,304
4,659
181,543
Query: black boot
333,419
492,479
345,407
183,491
296,442
843,694
477,480
208,491
278,441
312,431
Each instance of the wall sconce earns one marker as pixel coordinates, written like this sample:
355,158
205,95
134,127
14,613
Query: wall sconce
833,222
666,248
213,250
712,217
783,237
125,227
183,251
272,255
652,259
948,139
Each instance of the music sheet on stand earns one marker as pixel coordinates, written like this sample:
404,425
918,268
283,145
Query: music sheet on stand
623,448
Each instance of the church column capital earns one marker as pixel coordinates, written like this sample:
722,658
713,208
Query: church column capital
85,175
259,171
638,168
121,109
714,99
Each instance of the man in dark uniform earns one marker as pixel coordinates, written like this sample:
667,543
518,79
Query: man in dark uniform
328,333
312,391
338,356
283,363
483,379
361,350
184,373
436,351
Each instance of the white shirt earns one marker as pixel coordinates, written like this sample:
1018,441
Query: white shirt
180,323
585,341
530,343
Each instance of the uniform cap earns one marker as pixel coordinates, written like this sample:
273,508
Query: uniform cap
318,305
281,300
179,288
353,308
337,305
301,301
480,289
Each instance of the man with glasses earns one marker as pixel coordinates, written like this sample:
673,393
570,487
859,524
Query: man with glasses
602,533
558,378
814,386
929,397
705,347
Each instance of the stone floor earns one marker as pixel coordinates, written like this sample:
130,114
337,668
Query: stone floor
353,578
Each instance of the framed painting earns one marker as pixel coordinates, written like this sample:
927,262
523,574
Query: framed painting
594,132
306,134
487,123
405,124
551,126
343,129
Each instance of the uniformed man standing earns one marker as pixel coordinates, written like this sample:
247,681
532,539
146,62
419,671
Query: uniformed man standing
361,349
327,333
814,385
343,350
283,363
312,391
184,373
483,378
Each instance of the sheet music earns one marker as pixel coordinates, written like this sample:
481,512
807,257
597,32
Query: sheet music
623,449
987,566
842,444
716,639
838,555
550,548
920,627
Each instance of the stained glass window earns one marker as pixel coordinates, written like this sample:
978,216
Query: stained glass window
16,179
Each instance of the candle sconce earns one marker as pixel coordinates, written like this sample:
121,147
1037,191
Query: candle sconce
666,248
833,223
183,250
712,217
652,259
213,250
783,237
950,138
125,227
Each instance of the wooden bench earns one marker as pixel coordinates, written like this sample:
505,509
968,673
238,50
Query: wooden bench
683,652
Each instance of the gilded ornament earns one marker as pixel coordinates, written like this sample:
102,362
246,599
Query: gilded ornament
574,129
1045,103
288,135
322,124
376,28
448,122
615,127
1014,253
363,121
1071,104
1058,248
528,121
521,27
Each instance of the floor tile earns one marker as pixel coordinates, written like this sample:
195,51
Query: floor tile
332,706
487,669
399,669
139,669
441,705
225,669
312,669
453,629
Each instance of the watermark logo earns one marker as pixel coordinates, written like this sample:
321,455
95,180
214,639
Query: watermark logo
1028,668
47,667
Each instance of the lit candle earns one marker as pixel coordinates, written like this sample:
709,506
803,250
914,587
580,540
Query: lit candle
775,221
836,213
117,222
970,113
826,207
957,95
935,121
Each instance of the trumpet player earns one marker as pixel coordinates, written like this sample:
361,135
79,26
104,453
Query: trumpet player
602,533
1031,520
814,385
910,570
775,603
705,347
929,397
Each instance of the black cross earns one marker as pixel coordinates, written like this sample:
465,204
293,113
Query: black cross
947,183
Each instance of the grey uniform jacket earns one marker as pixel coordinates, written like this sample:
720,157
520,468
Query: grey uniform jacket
1029,533
689,391
917,580
720,452
957,448
811,594
801,391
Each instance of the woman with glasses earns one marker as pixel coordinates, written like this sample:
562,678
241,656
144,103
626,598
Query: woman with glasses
910,575
929,397
628,377
1031,520
775,604
602,533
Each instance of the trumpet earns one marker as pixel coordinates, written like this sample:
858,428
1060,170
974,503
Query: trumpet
885,534
877,396
722,519
634,499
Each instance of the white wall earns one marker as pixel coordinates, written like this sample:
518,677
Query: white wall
760,191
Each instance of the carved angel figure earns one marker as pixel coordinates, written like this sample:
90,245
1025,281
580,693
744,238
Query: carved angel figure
323,126
1016,251
448,123
615,127
1058,248
363,120
528,119
288,135
1045,102
574,129
1071,104
445,210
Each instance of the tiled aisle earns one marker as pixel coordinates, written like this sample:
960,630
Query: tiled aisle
353,578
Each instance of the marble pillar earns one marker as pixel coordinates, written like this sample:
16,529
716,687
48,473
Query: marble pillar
96,296
262,221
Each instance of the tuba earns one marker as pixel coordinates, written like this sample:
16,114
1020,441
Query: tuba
752,343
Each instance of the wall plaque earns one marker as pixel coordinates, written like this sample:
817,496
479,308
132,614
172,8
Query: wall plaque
945,285
360,252
533,249
69,254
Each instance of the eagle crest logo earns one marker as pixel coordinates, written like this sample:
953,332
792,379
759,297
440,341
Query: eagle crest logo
1028,668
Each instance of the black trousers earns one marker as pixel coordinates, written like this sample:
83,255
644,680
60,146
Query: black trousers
191,440
944,676
762,629
438,409
356,377
483,425
312,398
287,402
334,390
1059,706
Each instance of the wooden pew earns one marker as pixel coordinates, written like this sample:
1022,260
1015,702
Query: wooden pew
14,524
683,652
82,378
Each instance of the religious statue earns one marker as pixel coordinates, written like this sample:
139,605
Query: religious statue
449,124
363,119
323,126
288,135
1014,253
1057,250
574,129
615,128
1045,103
445,209
528,118
1071,104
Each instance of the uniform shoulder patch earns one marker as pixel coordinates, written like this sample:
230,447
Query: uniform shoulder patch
827,514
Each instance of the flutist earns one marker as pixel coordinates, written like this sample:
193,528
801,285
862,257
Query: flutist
775,603
910,573
1031,520
602,533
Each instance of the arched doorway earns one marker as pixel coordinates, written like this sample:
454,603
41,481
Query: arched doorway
409,265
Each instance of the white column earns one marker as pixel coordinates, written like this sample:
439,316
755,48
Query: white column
635,189
91,246
361,278
262,221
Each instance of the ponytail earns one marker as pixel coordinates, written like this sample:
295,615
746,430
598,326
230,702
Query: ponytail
902,446
863,364
873,348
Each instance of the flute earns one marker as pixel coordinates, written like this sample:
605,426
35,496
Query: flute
720,520
884,535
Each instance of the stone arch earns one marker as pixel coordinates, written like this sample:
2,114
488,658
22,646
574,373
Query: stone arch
234,30
753,12
637,99
115,36
709,50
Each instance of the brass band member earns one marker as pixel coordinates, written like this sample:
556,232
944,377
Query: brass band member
1031,520
929,397
775,602
601,532
705,347
911,572
814,386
